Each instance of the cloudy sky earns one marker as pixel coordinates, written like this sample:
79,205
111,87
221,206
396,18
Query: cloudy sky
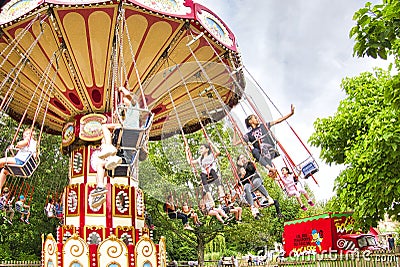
299,51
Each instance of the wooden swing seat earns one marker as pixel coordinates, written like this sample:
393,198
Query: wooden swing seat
25,170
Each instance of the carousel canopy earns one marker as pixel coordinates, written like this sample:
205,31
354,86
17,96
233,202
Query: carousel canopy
63,59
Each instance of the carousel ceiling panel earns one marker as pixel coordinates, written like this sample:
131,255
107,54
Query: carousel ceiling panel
145,38
152,45
186,96
99,29
88,34
75,30
209,110
137,27
149,42
20,105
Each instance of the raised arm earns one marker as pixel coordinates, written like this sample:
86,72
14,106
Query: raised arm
236,140
216,150
189,160
22,143
284,117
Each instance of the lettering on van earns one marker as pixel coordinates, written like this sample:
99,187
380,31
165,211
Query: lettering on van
345,225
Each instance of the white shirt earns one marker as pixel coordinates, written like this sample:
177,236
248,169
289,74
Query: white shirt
50,210
25,151
207,163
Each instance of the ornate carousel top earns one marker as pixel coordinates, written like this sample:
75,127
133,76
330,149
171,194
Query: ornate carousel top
63,59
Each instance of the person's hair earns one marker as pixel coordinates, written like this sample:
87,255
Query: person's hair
287,169
237,160
32,131
207,146
247,120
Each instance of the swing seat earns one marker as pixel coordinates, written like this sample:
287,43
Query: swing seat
18,207
309,169
211,179
125,168
25,170
129,141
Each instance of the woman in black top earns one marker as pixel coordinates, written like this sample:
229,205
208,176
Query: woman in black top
252,181
173,213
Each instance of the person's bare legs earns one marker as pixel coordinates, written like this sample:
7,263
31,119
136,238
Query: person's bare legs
107,149
100,173
127,97
196,218
215,213
221,212
106,134
301,202
4,172
310,202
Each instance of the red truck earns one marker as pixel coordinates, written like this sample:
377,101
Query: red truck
329,232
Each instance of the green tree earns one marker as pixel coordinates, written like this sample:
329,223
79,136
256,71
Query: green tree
167,172
364,136
377,33
20,241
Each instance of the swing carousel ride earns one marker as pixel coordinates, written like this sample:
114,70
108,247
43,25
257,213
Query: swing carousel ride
61,65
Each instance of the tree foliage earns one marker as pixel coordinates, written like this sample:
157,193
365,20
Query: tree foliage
21,241
377,34
364,134
163,173
168,172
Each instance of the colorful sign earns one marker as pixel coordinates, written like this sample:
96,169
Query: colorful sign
68,134
90,127
16,8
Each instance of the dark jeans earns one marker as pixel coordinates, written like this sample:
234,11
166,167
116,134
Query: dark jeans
213,176
178,215
264,160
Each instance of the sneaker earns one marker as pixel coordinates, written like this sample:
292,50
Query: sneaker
265,204
230,218
113,162
272,173
188,227
226,223
107,151
9,221
254,211
98,191
280,215
239,221
98,201
21,219
304,208
27,222
311,203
